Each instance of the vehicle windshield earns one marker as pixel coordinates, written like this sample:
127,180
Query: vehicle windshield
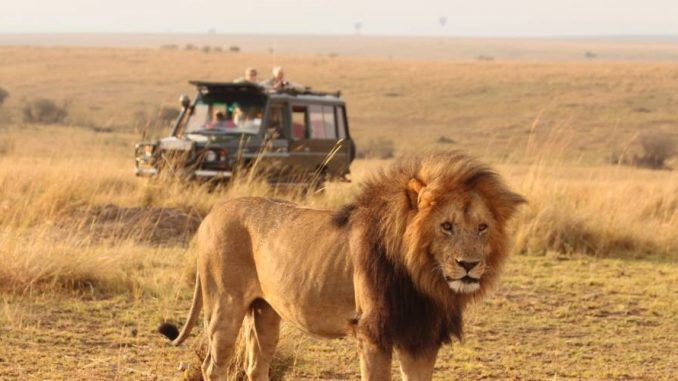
225,118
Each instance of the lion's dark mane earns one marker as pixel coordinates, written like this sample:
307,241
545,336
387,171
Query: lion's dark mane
410,308
403,317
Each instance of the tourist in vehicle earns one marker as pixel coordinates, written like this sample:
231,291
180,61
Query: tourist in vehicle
278,80
250,76
238,116
219,121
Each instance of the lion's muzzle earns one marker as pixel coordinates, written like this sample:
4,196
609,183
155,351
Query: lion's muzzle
465,276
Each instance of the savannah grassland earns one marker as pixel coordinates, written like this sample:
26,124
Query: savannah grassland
92,259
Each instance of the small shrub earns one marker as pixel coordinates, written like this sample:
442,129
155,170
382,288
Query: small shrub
234,49
190,47
4,94
170,47
445,140
218,49
656,150
206,49
376,149
44,110
649,151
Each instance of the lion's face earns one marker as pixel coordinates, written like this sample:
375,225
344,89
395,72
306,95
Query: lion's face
455,238
460,229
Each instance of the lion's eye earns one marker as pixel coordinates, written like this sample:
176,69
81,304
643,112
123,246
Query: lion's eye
447,227
482,228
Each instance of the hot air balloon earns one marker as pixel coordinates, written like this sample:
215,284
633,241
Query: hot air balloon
442,20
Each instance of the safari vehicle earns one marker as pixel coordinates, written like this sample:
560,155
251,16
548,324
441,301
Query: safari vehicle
301,135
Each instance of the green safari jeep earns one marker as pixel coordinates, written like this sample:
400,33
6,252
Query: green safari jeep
298,135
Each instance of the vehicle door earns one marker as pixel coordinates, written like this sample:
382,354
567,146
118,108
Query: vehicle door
345,151
312,138
276,135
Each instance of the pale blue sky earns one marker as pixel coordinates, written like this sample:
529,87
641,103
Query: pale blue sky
380,17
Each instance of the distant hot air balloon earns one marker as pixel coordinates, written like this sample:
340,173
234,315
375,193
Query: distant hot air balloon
358,25
442,21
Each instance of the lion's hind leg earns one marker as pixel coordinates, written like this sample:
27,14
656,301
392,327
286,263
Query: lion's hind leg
223,322
262,334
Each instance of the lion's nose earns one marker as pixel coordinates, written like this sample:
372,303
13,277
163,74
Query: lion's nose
467,265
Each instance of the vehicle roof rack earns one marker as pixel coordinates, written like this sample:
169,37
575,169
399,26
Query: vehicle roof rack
216,87
304,91
210,87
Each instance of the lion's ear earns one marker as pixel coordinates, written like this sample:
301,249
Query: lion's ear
419,196
507,204
503,203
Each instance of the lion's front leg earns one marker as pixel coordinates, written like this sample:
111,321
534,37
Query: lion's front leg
417,367
375,362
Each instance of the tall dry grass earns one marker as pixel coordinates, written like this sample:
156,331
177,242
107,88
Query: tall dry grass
612,212
76,216
77,219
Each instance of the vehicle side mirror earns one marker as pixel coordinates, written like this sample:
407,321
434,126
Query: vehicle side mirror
185,101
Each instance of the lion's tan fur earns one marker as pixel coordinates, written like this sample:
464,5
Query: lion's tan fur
365,269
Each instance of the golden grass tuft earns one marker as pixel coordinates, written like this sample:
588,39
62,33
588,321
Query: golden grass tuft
611,212
31,258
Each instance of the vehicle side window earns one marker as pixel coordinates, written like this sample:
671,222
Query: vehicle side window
341,123
299,122
317,130
277,123
329,120
323,124
199,117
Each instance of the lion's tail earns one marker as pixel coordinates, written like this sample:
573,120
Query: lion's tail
170,331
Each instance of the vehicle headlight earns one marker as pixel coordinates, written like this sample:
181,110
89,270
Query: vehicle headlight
211,156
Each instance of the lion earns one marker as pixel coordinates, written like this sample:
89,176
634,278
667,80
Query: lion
394,268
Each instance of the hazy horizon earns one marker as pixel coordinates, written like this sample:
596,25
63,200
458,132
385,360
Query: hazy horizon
610,36
483,18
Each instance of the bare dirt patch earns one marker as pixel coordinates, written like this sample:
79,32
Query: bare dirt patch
151,225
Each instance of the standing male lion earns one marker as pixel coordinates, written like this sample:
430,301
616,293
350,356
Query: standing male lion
396,267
